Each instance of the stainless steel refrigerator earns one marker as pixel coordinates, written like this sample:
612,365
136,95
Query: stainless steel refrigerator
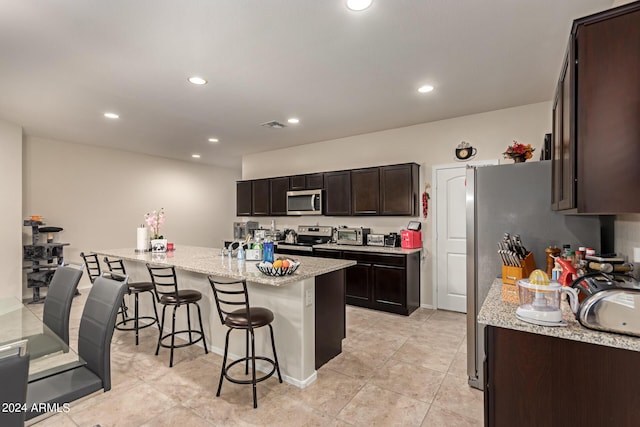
513,198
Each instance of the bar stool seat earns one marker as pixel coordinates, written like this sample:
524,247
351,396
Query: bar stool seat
260,316
184,296
135,289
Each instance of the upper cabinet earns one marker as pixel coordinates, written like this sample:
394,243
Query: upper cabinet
260,197
243,198
399,189
337,186
380,190
596,116
278,200
312,181
365,191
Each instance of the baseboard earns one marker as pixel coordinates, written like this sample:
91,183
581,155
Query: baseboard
429,306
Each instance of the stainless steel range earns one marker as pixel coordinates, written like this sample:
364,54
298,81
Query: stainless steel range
308,235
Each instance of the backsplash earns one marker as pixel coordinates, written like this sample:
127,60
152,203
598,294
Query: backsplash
628,237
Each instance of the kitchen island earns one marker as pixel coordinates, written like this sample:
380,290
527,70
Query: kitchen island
309,305
539,375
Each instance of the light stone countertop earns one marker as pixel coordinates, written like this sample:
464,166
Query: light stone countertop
376,249
495,312
209,261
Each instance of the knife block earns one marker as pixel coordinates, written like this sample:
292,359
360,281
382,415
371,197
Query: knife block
511,275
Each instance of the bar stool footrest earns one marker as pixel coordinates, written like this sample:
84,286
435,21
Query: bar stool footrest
185,331
250,381
140,325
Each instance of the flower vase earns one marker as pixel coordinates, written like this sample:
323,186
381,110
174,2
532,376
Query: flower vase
158,245
519,159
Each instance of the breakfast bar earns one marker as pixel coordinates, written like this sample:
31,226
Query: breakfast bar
309,305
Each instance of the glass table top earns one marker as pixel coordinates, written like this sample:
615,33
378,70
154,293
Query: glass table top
18,322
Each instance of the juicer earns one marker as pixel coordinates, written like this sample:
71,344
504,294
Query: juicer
540,303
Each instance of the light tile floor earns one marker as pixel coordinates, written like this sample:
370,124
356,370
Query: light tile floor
394,371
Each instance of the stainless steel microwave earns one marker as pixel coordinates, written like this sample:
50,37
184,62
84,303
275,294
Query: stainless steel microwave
304,202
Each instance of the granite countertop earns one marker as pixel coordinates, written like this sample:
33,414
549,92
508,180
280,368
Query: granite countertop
495,312
377,249
209,261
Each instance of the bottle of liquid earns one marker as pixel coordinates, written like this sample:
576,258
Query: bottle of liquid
551,252
267,251
556,271
241,253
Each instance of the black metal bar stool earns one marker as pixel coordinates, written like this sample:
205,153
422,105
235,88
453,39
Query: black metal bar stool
165,285
94,271
135,289
232,301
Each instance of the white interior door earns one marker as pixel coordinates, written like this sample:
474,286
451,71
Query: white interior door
451,239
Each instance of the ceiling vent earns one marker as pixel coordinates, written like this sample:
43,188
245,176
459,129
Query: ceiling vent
273,125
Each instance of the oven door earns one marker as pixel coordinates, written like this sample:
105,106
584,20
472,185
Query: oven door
347,236
307,202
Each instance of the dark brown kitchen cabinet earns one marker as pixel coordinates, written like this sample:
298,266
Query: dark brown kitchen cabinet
278,195
399,189
311,181
260,197
243,198
383,190
365,191
337,193
386,282
358,284
529,377
596,116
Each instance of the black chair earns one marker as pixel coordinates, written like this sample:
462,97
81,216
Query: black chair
135,289
92,265
165,284
56,312
94,346
94,271
232,302
14,376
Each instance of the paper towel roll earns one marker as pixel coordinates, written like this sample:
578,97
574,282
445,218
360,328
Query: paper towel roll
143,239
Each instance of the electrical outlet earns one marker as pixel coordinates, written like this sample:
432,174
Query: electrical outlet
308,297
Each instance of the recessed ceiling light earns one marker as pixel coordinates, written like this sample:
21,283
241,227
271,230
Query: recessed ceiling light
358,5
214,140
425,88
197,80
293,120
195,156
111,115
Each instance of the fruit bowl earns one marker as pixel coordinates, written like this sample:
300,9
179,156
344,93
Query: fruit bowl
270,270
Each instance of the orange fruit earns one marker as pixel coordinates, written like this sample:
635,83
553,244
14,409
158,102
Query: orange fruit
285,264
277,264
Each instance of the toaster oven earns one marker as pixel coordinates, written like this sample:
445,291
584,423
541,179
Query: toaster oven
351,236
375,239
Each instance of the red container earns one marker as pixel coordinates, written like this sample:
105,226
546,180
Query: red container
411,239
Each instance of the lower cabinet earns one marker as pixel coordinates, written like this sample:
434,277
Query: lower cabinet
387,282
538,380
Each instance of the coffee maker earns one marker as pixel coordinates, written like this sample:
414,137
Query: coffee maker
242,229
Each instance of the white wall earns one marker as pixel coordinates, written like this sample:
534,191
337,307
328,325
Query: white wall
99,196
427,144
11,212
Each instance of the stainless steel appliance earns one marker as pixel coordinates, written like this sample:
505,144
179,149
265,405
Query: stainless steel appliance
375,239
392,240
242,229
307,236
351,236
304,202
517,199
